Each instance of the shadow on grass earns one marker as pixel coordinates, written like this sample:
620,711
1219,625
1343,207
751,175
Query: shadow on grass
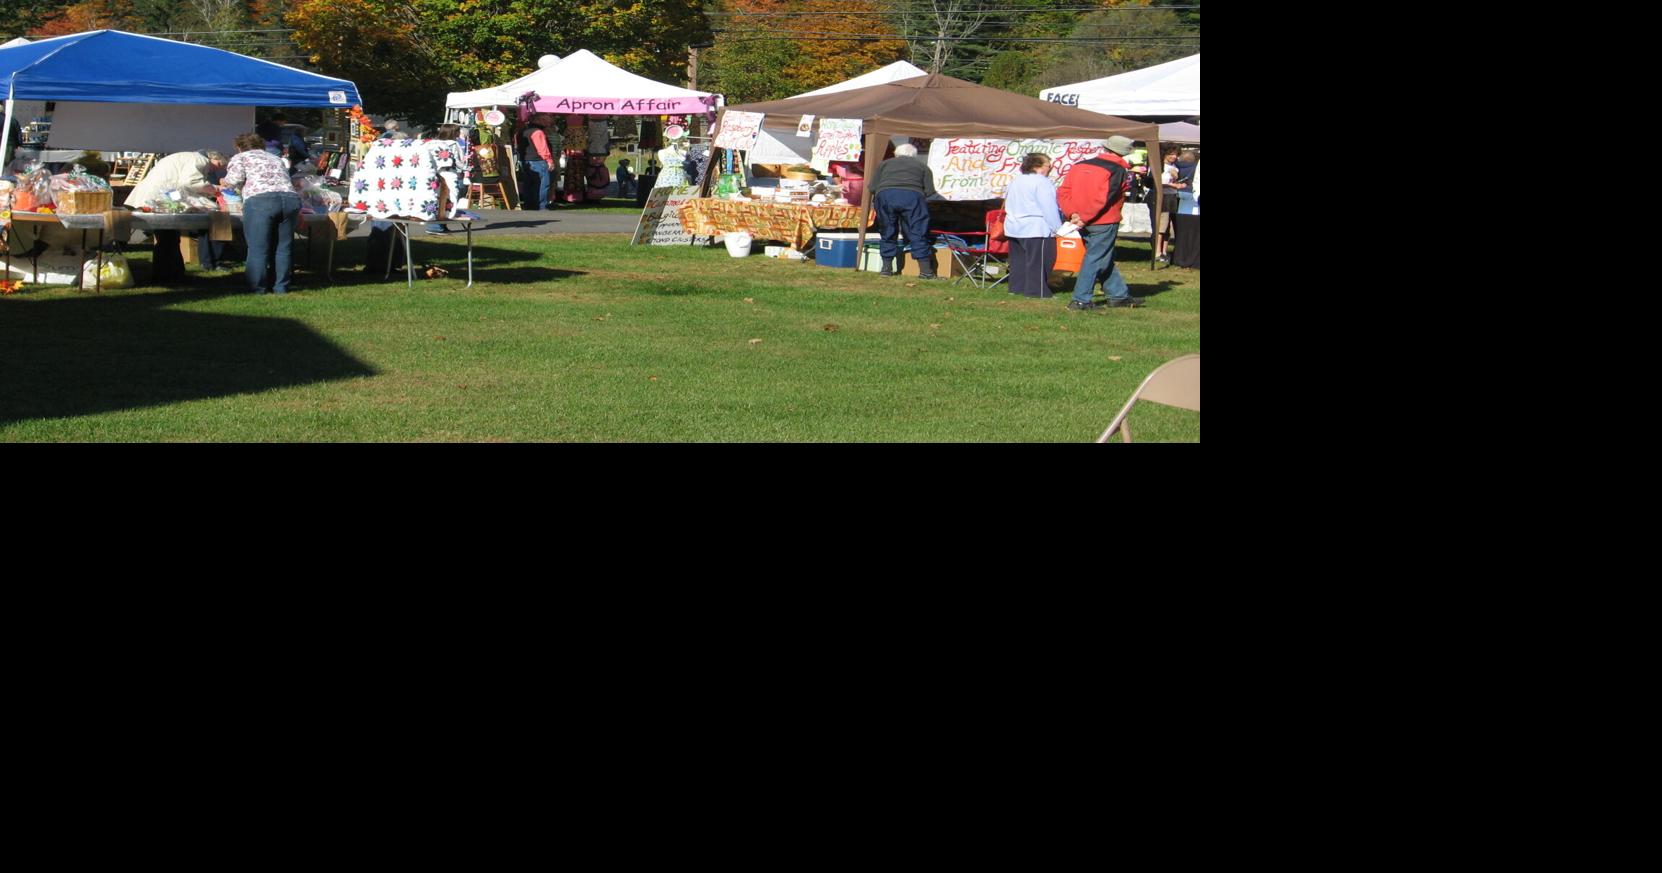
504,225
91,355
490,264
1152,289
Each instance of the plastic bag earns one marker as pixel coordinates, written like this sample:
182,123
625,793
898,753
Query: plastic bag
316,197
115,274
34,189
176,202
78,179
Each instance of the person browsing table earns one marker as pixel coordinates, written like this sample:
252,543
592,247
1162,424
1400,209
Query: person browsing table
901,191
187,173
270,213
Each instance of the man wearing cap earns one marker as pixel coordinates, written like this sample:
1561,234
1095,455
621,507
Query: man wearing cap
1092,195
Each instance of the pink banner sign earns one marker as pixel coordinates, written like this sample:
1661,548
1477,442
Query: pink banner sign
623,105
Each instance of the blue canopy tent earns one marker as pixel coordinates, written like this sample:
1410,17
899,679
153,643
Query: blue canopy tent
111,66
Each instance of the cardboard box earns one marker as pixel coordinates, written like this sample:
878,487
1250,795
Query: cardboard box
190,248
945,265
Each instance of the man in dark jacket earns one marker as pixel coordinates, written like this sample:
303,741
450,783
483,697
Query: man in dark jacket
900,192
1092,195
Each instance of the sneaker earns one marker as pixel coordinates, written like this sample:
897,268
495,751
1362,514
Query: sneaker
1076,306
1125,303
440,230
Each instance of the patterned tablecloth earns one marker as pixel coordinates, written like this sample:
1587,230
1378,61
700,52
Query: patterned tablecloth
786,222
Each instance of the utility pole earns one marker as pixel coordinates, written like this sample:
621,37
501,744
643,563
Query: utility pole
696,124
692,62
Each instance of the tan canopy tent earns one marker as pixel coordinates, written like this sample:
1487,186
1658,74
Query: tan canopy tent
938,106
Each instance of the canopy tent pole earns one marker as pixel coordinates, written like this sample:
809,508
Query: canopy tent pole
6,132
703,182
1156,166
874,157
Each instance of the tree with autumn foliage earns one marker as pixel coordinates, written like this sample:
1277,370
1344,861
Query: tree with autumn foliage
766,49
405,55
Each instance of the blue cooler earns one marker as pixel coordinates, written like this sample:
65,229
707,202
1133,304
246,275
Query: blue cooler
837,250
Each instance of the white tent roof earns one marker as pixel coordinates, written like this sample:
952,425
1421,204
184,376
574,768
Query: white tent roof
777,147
1180,132
891,73
19,41
1166,89
501,95
583,75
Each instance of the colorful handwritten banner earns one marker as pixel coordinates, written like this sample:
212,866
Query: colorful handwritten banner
839,139
739,130
981,169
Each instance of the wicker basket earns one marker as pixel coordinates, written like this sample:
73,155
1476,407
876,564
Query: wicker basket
83,202
800,176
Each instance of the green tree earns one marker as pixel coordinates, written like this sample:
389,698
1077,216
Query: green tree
748,72
1121,40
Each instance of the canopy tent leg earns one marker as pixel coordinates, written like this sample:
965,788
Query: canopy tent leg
874,157
703,182
6,131
1157,166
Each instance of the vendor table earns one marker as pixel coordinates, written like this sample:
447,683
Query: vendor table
402,227
82,223
311,224
794,223
48,156
123,223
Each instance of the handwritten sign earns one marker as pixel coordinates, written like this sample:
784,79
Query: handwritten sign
739,130
981,169
839,139
805,127
660,223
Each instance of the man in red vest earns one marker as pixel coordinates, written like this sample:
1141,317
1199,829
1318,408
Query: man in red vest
1092,195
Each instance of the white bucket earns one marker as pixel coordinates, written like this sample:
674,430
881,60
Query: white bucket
738,244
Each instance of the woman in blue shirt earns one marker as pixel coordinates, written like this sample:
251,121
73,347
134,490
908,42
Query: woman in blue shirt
1031,220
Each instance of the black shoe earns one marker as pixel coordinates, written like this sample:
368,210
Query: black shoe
926,270
1076,306
888,267
1126,303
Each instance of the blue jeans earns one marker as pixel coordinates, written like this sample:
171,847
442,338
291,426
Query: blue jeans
903,211
269,222
545,181
1099,265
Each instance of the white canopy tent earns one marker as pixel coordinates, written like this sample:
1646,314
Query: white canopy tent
506,94
1165,89
776,147
585,84
19,41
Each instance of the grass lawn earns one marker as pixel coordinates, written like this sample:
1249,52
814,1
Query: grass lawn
583,338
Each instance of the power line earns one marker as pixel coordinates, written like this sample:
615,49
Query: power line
982,11
918,15
864,37
1068,40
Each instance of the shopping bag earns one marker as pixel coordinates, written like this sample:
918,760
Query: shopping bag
115,274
